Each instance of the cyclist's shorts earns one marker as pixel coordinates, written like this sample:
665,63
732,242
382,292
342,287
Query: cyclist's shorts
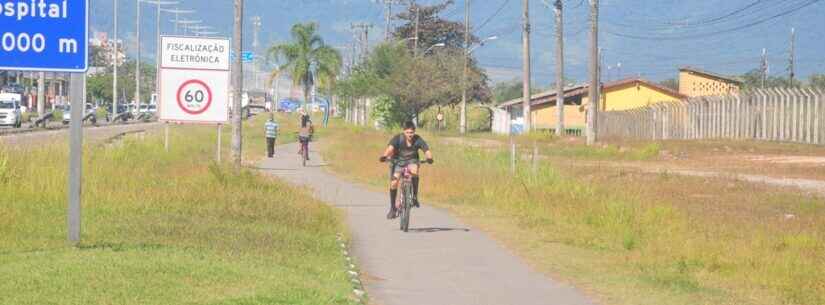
399,166
303,139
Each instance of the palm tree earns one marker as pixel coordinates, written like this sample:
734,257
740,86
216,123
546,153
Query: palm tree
307,59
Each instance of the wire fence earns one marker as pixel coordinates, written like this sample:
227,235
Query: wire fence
779,114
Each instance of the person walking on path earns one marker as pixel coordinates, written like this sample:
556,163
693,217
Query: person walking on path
271,128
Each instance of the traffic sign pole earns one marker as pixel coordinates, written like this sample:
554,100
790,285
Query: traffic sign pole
78,92
220,135
166,137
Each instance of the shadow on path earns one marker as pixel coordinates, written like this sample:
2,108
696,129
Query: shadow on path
435,230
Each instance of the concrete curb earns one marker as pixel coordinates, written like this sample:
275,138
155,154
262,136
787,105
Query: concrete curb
358,292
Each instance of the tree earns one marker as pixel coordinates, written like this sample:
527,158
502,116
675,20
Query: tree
405,84
99,57
671,83
818,81
99,86
431,28
307,59
753,80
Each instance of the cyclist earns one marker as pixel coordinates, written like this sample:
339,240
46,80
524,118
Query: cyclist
305,132
403,150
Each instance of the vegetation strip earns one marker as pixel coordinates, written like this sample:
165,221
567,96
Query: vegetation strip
164,228
630,238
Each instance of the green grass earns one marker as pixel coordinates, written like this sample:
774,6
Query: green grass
630,239
164,228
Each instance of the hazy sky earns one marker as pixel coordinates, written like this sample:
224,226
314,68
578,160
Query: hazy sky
651,38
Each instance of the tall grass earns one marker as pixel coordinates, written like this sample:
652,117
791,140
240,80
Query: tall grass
163,228
612,237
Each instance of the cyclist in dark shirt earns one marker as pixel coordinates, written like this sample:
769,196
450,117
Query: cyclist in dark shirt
403,150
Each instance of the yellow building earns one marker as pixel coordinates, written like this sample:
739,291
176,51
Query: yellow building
694,82
635,93
618,95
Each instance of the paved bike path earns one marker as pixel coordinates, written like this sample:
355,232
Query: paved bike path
441,261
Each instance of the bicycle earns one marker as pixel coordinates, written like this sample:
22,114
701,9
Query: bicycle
304,149
405,198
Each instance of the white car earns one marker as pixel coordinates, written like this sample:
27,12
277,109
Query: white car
10,114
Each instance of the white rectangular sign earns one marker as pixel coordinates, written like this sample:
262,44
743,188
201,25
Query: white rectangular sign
195,53
194,80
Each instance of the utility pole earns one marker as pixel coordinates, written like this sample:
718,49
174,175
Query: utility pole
559,68
137,55
592,107
388,28
237,86
157,56
41,94
792,59
528,126
463,116
256,27
764,67
115,62
177,13
362,32
417,22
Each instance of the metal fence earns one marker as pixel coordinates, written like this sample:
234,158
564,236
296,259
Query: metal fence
780,114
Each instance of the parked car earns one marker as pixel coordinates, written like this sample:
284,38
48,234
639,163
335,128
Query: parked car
13,88
10,114
67,112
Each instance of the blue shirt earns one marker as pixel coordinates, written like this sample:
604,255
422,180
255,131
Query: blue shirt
271,129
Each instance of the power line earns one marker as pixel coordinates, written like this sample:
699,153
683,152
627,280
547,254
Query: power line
500,9
708,34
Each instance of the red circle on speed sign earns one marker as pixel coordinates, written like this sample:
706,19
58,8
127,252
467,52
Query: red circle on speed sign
194,97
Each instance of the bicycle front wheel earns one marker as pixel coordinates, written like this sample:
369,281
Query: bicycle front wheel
406,205
305,154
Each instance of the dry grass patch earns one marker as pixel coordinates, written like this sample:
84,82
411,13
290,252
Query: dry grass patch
629,238
164,228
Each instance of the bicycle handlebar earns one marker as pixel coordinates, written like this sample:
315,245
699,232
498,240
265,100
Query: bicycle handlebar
394,161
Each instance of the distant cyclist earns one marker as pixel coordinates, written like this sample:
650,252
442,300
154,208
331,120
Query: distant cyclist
403,150
305,132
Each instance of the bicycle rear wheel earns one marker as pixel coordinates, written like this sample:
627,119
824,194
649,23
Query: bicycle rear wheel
406,205
305,153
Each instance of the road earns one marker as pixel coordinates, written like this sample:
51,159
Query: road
90,134
440,262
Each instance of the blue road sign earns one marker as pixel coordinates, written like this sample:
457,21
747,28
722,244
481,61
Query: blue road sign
44,35
246,56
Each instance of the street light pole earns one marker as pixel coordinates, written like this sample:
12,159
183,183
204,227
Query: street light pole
137,57
114,69
467,52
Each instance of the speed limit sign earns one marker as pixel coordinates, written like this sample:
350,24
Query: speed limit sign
194,80
194,96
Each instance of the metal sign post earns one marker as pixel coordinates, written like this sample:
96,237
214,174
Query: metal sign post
220,135
78,92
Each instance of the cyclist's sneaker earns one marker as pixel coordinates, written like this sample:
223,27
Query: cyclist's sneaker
392,214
